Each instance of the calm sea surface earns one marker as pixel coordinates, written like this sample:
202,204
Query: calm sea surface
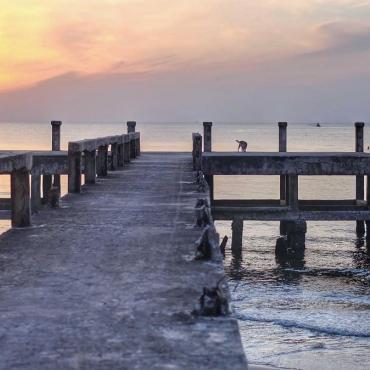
313,317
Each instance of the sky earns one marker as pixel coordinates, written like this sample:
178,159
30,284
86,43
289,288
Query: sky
185,60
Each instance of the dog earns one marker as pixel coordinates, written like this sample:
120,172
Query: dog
242,145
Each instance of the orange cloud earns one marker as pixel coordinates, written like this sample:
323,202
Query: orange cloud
41,39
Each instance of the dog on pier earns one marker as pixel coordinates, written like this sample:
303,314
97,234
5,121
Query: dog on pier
242,145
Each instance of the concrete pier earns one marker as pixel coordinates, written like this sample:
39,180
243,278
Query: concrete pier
237,236
109,281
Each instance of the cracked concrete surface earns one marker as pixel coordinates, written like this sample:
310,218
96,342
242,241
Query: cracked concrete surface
108,280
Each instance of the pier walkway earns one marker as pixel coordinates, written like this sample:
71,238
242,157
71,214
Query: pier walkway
108,280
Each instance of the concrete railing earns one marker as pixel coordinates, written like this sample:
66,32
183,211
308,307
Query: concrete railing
18,166
91,158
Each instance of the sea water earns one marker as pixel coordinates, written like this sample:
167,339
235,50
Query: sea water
316,316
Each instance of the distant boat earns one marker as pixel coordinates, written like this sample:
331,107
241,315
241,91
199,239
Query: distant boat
318,125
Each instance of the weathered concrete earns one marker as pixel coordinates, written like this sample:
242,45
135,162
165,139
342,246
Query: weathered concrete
207,136
301,163
360,184
108,280
55,146
197,151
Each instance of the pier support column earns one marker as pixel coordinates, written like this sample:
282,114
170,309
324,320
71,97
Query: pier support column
114,162
290,249
296,236
55,146
20,195
90,167
35,193
237,236
283,179
74,171
360,187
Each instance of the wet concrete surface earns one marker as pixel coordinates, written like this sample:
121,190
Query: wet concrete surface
108,280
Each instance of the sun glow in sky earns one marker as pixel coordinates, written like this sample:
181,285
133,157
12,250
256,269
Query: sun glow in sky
41,40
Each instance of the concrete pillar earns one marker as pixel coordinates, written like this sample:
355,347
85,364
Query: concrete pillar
138,146
102,161
132,147
35,193
121,154
283,179
368,207
126,149
20,198
210,181
55,146
237,236
360,184
296,236
47,183
90,167
197,151
282,148
131,126
114,161
74,171
207,147
207,136
293,192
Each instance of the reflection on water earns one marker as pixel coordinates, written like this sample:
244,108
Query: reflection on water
291,315
310,313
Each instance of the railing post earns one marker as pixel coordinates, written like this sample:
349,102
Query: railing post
121,152
207,136
114,162
74,169
132,146
102,163
126,148
283,148
35,193
207,147
131,126
137,144
47,183
283,179
197,151
90,166
20,198
55,146
360,184
293,192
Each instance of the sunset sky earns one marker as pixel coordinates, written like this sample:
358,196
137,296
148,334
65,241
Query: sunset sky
181,59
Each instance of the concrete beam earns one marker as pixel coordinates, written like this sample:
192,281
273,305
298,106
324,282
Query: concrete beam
262,163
